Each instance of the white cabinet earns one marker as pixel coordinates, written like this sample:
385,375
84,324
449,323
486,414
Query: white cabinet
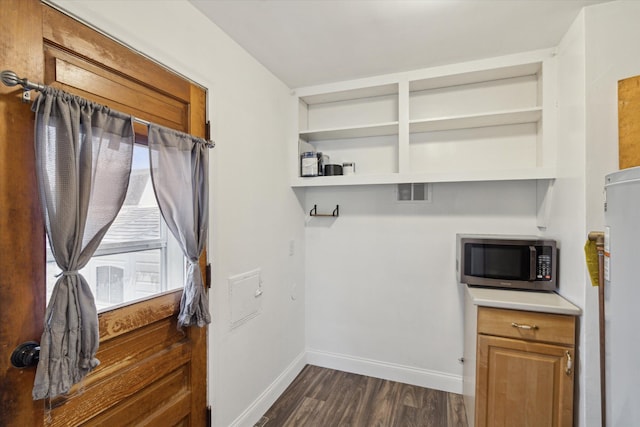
485,120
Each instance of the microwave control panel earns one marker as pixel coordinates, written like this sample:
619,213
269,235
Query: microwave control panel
543,268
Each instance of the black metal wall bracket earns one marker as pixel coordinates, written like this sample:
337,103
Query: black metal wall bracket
314,212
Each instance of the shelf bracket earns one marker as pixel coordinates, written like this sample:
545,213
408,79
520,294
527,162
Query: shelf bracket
314,212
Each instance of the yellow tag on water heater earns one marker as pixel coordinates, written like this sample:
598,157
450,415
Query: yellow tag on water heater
591,256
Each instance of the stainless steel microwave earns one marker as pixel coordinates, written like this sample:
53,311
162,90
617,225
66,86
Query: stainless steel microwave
515,262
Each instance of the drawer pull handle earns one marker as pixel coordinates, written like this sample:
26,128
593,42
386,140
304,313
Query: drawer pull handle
569,364
524,326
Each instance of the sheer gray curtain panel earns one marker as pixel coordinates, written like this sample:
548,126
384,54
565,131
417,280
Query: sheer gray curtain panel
179,171
83,162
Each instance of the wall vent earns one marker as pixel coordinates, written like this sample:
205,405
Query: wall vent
413,193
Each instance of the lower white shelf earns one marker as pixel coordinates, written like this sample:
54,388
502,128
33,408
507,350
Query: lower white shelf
398,178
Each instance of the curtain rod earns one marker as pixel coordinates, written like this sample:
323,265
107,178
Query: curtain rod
9,78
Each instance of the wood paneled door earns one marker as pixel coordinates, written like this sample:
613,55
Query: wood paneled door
150,373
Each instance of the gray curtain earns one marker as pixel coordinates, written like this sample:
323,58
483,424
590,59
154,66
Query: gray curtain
179,169
83,162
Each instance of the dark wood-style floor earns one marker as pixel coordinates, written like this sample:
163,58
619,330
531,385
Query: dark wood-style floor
321,397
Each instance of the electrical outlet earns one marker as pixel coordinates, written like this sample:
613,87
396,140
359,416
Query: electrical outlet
292,247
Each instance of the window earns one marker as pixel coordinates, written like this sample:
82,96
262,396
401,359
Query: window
138,257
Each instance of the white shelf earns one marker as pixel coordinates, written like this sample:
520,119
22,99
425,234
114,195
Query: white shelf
471,77
343,95
499,118
381,129
428,177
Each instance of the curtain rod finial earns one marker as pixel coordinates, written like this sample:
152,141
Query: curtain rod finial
9,78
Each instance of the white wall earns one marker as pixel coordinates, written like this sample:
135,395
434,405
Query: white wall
382,295
598,50
612,35
612,38
568,211
254,212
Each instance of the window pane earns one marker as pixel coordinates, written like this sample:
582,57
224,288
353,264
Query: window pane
126,277
139,218
138,257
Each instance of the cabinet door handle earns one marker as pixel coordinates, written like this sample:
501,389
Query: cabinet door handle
569,363
524,326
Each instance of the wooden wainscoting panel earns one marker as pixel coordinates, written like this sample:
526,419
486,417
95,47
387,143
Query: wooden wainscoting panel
86,403
129,350
166,402
133,316
83,41
72,74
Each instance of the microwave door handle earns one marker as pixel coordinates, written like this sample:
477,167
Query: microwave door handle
532,263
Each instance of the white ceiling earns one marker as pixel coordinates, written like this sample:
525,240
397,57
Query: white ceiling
308,42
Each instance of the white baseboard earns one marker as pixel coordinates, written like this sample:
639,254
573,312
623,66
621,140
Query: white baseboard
388,371
258,407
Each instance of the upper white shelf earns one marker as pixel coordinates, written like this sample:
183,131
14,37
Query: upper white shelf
350,94
465,78
498,118
380,129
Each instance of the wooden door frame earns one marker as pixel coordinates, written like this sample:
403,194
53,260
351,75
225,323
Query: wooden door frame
22,230
22,254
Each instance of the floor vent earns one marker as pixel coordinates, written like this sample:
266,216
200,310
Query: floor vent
262,422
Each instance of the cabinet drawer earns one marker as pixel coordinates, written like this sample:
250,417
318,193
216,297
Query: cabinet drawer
527,325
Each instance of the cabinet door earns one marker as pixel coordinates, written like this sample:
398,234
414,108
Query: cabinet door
522,383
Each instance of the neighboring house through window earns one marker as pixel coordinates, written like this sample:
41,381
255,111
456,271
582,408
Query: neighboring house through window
109,284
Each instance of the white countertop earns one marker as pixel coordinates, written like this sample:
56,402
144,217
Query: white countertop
545,302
